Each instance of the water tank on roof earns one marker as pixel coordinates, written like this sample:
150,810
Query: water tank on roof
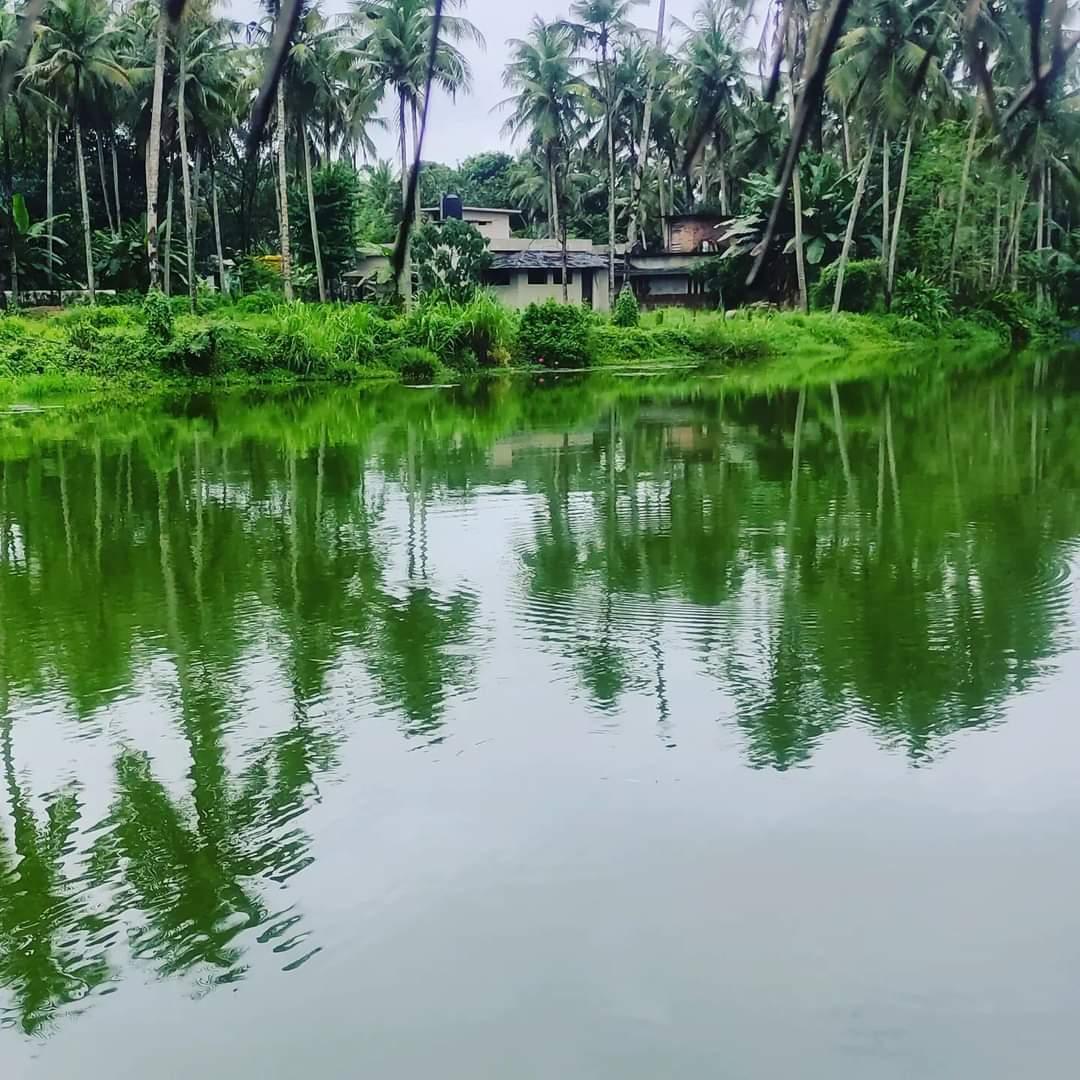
452,208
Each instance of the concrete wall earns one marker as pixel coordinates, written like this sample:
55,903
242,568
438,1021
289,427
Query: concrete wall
668,286
520,294
495,225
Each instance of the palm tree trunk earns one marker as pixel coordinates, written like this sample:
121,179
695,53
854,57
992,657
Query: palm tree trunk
565,256
405,281
196,190
185,174
1014,242
168,234
553,184
1049,241
905,168
860,187
104,183
646,129
969,153
50,169
419,166
847,139
1040,292
81,164
8,189
885,196
796,195
996,261
217,230
116,185
610,109
283,205
153,149
311,215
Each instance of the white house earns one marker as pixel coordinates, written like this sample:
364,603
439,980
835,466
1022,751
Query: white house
523,270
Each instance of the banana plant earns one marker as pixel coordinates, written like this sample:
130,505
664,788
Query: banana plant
30,252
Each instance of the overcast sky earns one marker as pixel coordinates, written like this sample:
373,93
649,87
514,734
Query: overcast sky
468,126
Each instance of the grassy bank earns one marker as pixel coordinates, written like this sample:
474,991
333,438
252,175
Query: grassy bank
264,342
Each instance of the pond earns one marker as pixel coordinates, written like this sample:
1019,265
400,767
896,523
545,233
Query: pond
592,727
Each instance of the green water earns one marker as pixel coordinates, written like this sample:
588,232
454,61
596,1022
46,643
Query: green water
607,728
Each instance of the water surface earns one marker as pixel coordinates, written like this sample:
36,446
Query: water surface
606,727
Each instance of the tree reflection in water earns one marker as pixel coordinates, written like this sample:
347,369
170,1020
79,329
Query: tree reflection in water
890,553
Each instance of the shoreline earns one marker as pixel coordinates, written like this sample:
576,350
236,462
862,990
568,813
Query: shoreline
108,353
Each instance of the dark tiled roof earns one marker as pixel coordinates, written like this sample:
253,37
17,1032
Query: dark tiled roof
547,260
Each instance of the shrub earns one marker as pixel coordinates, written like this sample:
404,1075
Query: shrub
863,290
487,329
259,273
555,335
627,312
190,352
158,315
918,298
241,348
97,317
1016,311
417,365
356,340
260,301
450,258
300,340
461,335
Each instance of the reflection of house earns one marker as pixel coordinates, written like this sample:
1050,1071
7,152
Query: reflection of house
523,270
663,278
505,450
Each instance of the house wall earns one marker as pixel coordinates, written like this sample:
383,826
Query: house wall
668,286
493,225
520,294
692,234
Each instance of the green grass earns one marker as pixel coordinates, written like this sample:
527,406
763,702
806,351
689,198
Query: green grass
675,336
111,347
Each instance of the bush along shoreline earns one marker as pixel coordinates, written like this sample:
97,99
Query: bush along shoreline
260,339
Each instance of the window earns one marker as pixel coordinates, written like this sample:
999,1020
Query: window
538,277
556,277
498,278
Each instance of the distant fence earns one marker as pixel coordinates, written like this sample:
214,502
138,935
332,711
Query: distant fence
691,301
51,297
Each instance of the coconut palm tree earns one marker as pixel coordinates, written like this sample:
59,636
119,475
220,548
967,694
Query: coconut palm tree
75,52
711,87
273,10
638,179
602,25
551,97
203,88
394,41
153,145
311,76
888,67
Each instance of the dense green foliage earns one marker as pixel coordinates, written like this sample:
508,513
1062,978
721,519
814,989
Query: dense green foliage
259,337
863,286
554,335
918,298
626,312
450,258
970,209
